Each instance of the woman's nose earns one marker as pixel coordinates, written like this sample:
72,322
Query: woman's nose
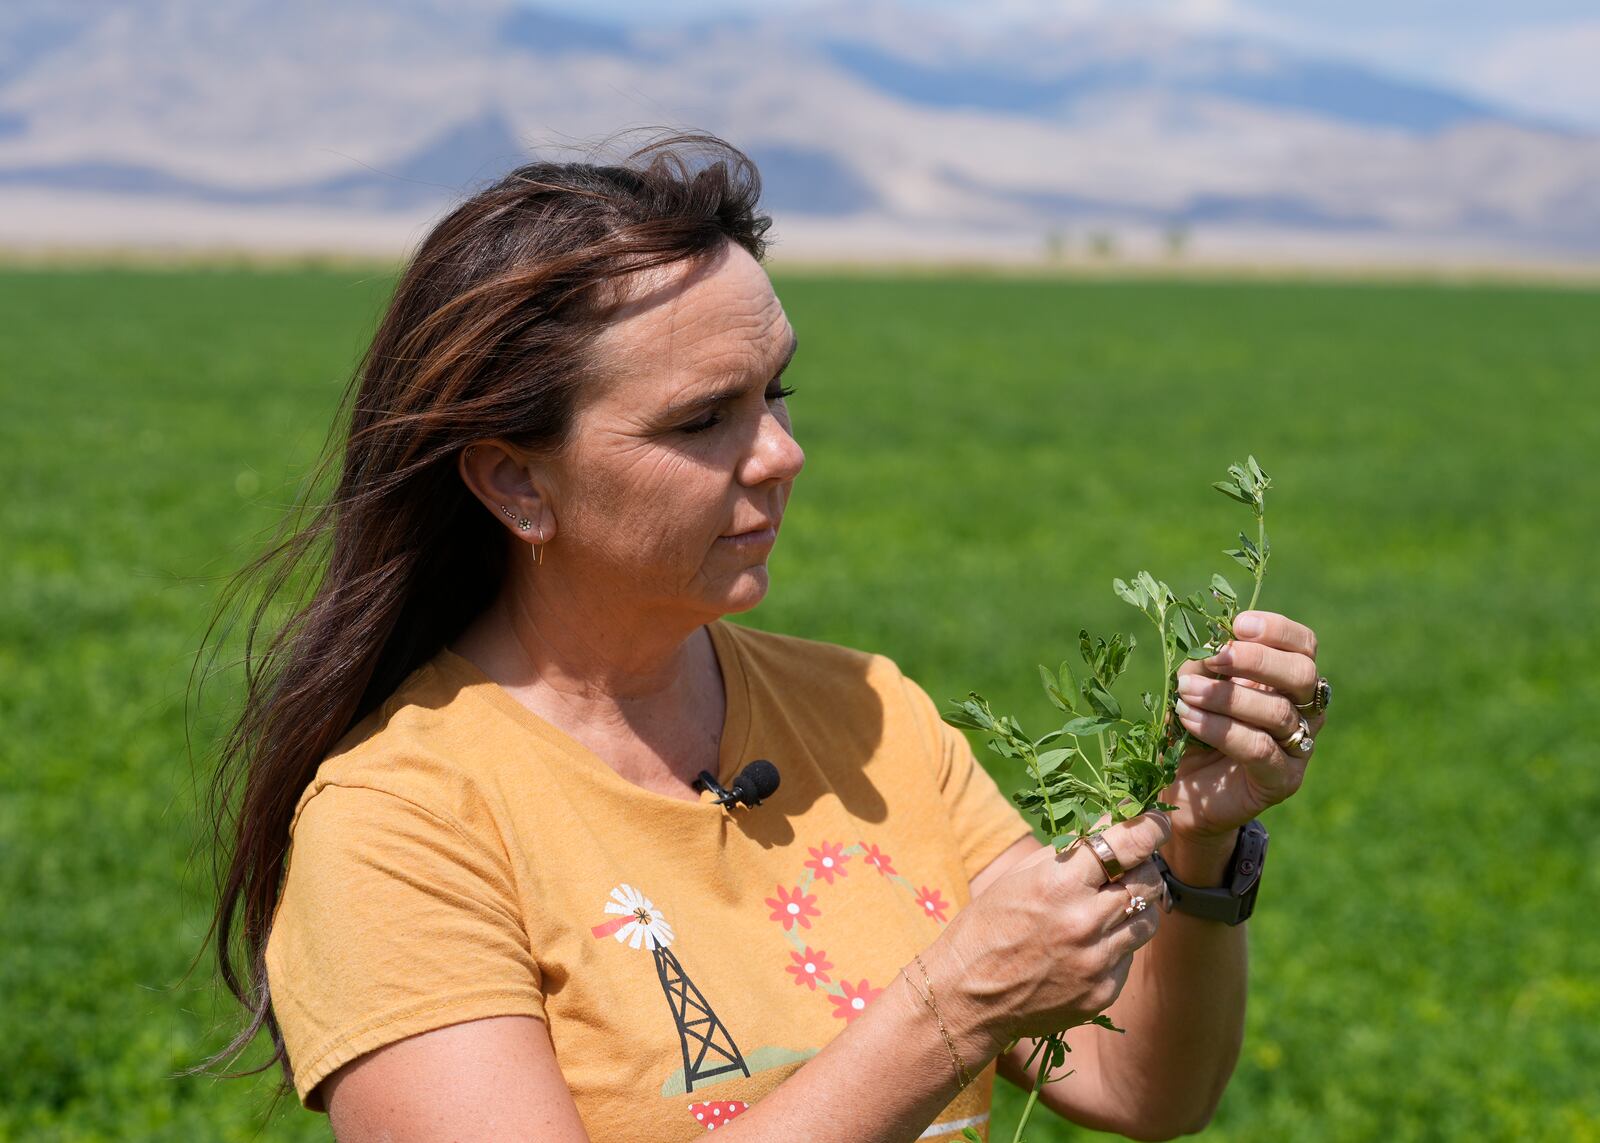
776,455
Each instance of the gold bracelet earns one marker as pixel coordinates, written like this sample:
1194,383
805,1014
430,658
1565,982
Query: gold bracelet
961,1069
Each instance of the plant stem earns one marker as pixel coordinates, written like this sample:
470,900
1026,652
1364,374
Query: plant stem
1105,762
1033,1097
1261,561
1166,690
1038,778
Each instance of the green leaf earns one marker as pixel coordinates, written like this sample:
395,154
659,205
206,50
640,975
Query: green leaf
1051,759
1188,638
1104,1021
962,719
972,712
1069,684
1104,702
1085,726
1223,588
1255,470
1051,690
1127,594
1233,491
1158,592
1116,657
1083,817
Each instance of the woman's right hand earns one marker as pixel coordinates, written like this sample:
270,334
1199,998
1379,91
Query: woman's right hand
1049,944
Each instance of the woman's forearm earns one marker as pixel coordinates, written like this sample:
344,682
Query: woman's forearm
882,1079
1183,1011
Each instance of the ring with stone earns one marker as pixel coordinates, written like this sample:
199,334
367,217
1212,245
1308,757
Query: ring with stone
1300,743
1136,903
1321,696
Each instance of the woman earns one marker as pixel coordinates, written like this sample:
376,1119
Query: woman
509,910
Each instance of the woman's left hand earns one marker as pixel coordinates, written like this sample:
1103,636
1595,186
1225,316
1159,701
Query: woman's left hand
1238,707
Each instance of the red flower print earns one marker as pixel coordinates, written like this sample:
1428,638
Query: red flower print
791,907
877,859
828,861
714,1112
932,902
854,1001
809,967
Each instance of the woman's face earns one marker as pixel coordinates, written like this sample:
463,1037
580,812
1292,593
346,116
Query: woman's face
685,443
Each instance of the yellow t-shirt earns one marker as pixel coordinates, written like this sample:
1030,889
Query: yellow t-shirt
459,857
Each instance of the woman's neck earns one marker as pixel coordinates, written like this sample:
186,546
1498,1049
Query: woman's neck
646,695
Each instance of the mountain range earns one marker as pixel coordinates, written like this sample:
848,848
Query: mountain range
879,128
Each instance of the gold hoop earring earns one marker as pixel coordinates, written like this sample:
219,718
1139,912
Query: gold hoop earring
538,550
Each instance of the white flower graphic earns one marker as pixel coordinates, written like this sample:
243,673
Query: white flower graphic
646,926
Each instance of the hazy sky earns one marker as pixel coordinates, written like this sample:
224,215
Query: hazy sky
1536,55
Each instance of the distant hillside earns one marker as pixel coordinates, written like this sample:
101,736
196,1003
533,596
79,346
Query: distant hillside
369,117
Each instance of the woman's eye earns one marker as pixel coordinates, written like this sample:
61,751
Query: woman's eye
715,419
702,426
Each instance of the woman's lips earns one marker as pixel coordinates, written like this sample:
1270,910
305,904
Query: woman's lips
760,536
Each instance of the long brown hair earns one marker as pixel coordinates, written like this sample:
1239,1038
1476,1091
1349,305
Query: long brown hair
488,334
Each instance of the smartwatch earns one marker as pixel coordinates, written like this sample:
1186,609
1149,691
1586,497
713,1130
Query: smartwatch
1235,900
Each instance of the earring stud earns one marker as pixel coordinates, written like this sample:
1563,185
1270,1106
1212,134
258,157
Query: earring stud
523,524
521,521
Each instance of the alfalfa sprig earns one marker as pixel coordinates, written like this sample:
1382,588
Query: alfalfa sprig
1101,762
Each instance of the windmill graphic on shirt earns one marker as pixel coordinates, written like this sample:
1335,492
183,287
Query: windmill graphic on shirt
708,1048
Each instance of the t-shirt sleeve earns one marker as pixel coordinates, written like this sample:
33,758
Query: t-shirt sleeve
986,822
392,921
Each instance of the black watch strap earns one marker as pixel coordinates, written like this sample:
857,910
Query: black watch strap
1235,900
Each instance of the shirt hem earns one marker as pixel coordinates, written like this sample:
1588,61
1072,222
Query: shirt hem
399,1023
993,846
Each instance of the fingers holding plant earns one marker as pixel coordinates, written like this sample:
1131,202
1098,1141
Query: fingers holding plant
1214,751
1288,670
1050,944
1242,708
1115,849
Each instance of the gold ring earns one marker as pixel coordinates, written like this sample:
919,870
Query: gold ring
1105,855
1300,743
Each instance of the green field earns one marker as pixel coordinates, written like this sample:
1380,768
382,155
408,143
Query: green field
984,455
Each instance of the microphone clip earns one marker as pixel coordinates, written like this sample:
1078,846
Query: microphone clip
751,786
708,781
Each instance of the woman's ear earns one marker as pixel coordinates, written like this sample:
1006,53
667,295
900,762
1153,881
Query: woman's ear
511,486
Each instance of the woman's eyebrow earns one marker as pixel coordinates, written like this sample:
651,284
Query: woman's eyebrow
723,393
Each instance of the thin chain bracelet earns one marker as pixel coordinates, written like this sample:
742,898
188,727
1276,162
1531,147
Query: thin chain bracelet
961,1069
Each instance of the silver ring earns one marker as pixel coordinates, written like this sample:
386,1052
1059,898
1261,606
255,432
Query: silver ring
1136,904
1300,743
1321,696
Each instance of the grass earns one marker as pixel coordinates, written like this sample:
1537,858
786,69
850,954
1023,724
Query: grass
984,455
